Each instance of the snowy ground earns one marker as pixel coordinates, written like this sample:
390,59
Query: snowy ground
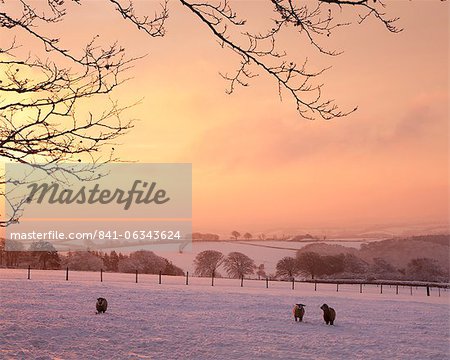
50,318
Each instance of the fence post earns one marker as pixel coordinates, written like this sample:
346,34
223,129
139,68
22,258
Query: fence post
396,290
293,283
101,275
29,272
187,277
360,288
337,287
411,289
242,281
439,292
315,285
428,290
136,276
267,282
67,273
159,281
381,288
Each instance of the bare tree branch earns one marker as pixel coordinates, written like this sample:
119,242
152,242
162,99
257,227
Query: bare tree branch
40,119
40,99
260,51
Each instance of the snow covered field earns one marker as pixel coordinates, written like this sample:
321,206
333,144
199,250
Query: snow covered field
50,318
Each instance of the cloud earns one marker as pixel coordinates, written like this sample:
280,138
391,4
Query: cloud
273,142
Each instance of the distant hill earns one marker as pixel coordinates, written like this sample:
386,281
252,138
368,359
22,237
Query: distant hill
397,251
437,239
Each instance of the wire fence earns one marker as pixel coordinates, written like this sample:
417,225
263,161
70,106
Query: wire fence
412,288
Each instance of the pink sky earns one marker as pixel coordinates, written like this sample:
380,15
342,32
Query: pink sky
257,165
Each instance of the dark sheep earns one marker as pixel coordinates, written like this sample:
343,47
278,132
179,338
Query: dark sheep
298,311
328,314
101,305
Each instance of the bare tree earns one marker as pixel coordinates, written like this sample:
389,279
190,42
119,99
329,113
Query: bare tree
10,252
40,98
425,269
287,267
235,234
82,261
354,264
313,20
113,261
45,255
207,262
382,269
248,236
149,262
261,271
310,263
259,52
41,95
237,265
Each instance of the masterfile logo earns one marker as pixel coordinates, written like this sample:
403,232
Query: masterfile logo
53,194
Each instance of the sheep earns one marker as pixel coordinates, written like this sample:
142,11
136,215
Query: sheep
101,305
328,314
298,312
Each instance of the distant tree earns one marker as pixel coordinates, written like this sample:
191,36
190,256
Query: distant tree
2,250
303,237
333,264
262,236
83,261
207,262
11,251
127,265
147,262
310,263
261,271
106,261
45,255
235,234
237,264
318,265
248,236
287,267
171,269
204,237
424,269
113,261
354,265
383,269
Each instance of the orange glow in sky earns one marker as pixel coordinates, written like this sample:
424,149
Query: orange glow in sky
257,165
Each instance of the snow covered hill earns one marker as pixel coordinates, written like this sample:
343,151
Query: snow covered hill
49,318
